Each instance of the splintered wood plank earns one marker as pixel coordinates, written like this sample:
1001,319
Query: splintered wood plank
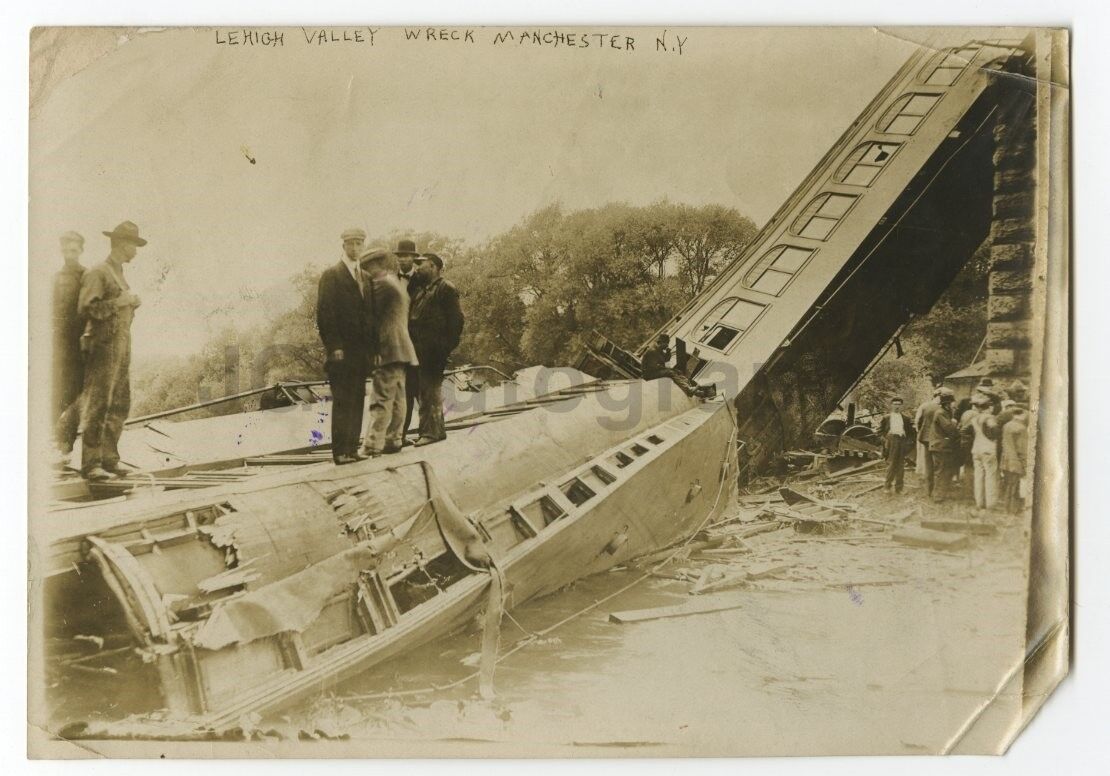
766,570
936,540
705,606
974,527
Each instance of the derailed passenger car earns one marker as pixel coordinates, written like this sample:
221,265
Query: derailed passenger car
249,596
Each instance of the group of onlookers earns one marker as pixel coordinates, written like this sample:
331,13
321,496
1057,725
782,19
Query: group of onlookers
389,316
983,441
93,310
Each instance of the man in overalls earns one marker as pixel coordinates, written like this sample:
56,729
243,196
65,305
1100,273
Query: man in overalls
107,303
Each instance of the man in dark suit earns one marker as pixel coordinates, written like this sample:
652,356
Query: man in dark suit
406,253
897,431
944,443
341,317
69,364
435,324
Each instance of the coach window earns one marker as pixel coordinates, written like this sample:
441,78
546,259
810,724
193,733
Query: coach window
945,66
907,113
864,163
775,269
727,321
822,215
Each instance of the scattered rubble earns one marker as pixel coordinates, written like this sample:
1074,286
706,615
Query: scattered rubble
761,543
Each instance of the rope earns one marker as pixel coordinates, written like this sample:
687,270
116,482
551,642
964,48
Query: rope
536,635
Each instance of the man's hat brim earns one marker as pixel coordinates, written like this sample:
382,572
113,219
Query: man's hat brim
126,237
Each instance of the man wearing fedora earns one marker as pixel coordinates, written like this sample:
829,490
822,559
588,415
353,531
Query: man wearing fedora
341,317
69,364
108,305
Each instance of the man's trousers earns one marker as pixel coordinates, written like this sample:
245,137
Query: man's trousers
348,393
897,447
387,409
106,400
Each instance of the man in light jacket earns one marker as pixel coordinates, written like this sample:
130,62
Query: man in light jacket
391,353
1015,451
923,421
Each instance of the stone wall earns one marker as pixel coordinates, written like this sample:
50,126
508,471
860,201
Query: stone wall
1008,347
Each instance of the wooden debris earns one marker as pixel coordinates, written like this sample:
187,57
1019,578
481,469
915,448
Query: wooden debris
973,527
767,570
678,551
876,521
708,575
721,581
840,475
796,499
682,610
818,521
761,500
239,575
758,529
936,540
868,489
725,552
724,582
680,576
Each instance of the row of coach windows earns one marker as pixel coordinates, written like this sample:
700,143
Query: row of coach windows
777,267
907,113
947,65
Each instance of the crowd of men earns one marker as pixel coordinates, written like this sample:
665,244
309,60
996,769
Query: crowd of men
385,315
390,316
980,444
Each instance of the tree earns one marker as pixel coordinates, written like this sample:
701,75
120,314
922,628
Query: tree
708,239
533,294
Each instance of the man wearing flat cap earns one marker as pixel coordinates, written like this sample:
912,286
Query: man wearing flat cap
69,366
341,317
391,353
435,324
108,305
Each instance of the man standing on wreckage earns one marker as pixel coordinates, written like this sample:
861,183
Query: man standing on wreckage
342,320
436,323
107,303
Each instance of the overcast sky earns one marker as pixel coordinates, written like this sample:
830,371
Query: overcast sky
456,137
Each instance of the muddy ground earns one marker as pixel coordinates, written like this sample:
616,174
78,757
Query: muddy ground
855,643
847,642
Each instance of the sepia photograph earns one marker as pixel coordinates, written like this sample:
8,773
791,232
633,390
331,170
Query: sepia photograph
546,391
